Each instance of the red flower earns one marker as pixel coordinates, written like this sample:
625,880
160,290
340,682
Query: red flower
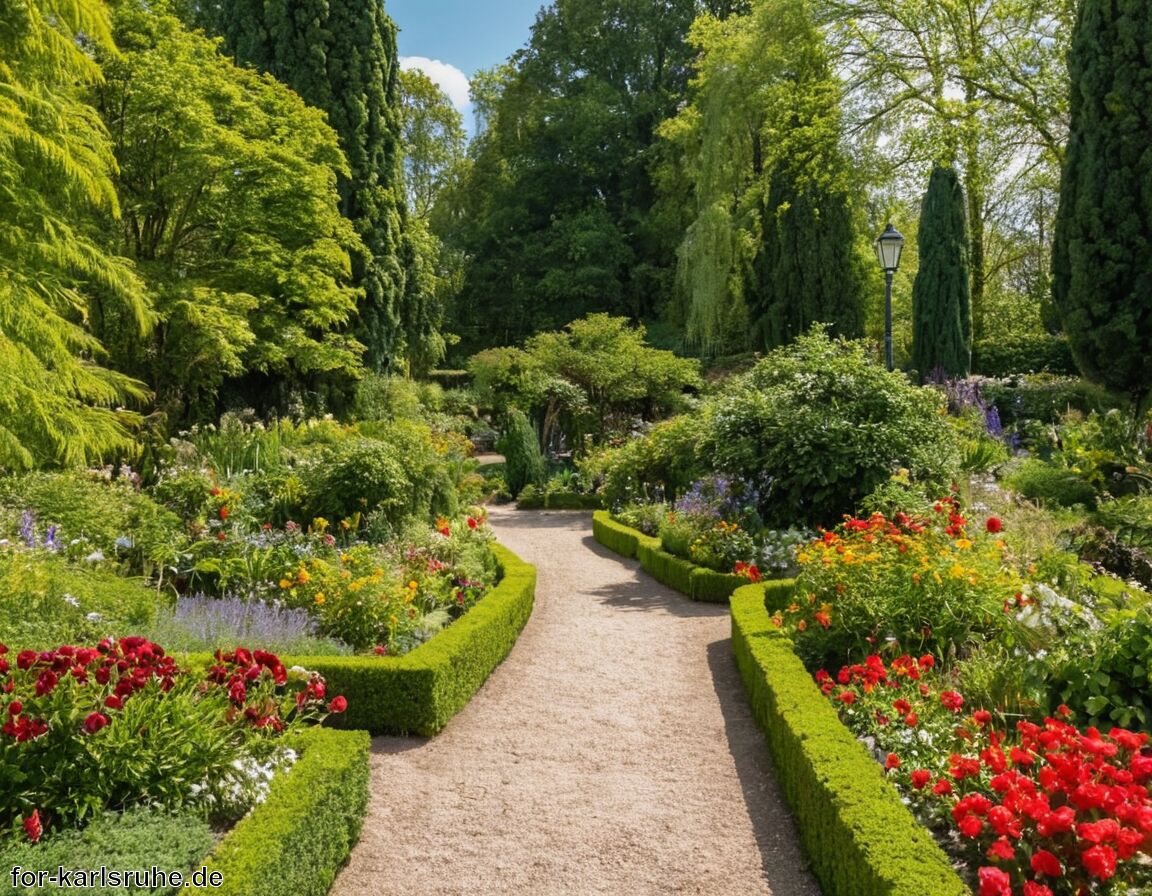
1044,862
1099,861
1031,888
1002,849
95,721
472,523
379,650
337,704
221,536
114,701
32,826
971,826
893,761
943,787
993,525
994,882
920,778
952,700
847,697
754,575
823,618
981,717
224,512
15,708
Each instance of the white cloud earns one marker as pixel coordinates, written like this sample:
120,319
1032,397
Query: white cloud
449,78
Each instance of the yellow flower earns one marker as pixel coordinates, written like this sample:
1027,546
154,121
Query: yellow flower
392,620
964,544
320,597
413,585
303,578
285,584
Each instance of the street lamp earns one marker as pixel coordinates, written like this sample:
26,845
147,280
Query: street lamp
889,246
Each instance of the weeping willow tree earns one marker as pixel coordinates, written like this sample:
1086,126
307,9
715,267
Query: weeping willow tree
760,152
57,404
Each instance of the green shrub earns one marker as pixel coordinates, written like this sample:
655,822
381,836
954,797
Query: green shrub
1044,397
817,425
1024,353
294,843
530,498
618,537
1049,484
46,601
644,518
384,397
137,839
524,462
860,839
657,467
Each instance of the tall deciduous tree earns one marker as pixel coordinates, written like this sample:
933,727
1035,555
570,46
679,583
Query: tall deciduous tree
227,182
1102,258
941,310
341,56
557,207
57,405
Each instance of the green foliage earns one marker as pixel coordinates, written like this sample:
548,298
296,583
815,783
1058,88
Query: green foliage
295,842
343,60
1107,683
524,462
859,837
941,310
59,405
1006,355
660,465
1044,397
618,536
135,839
1130,518
208,153
821,425
645,518
1050,484
419,692
434,140
1102,254
46,601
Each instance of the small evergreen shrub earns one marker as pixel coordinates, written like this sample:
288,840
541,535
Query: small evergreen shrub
524,461
1049,484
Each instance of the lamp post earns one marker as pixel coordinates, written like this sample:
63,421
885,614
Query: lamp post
889,246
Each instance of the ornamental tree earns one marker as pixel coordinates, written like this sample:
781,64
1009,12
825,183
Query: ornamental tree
941,309
1102,252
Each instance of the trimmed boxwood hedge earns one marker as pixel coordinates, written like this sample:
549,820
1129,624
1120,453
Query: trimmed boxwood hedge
295,842
860,838
537,500
699,583
419,692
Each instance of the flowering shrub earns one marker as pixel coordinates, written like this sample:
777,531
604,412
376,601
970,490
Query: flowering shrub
1044,810
88,728
927,584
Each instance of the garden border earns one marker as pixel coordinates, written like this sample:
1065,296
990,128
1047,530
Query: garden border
859,836
697,582
296,841
418,693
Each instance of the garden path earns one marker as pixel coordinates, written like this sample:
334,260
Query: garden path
611,753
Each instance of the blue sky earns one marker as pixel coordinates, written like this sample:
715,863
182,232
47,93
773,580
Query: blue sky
451,39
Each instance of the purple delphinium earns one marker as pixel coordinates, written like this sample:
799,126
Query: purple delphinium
28,528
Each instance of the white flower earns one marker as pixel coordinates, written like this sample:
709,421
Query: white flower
94,617
95,557
70,600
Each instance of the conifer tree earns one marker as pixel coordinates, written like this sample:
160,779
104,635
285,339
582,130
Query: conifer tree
341,56
941,304
1102,251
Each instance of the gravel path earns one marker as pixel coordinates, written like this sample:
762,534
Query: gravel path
611,753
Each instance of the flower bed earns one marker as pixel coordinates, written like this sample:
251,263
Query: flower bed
418,693
697,582
859,837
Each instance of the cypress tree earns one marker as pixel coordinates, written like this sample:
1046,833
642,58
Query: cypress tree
941,300
341,56
1102,250
806,271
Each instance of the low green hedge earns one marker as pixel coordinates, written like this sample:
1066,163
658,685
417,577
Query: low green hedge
860,838
295,842
419,692
699,583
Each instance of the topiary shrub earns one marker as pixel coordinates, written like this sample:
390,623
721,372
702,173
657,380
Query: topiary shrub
818,425
524,461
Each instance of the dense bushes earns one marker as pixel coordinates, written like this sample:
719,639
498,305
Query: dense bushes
1044,398
818,425
1049,484
1006,356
